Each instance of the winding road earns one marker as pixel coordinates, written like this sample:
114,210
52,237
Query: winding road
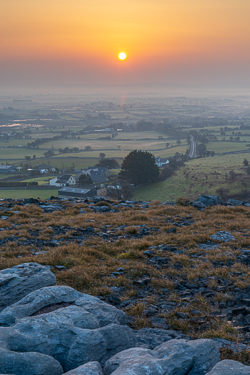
192,152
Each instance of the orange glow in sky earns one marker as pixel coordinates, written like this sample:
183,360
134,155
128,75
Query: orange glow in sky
167,41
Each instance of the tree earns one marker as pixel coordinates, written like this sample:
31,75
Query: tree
108,163
85,180
88,148
202,149
102,155
139,167
127,191
248,170
167,145
245,162
178,142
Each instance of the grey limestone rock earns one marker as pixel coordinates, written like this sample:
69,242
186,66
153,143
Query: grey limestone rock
71,335
209,200
174,357
90,368
151,337
229,367
28,363
53,297
18,281
223,236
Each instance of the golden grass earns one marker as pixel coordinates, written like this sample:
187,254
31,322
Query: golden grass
91,262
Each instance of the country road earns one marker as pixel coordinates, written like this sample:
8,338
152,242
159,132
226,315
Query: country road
192,153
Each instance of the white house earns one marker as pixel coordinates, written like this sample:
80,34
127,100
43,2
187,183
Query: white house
161,162
66,180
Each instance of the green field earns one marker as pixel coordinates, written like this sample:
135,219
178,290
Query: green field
28,193
199,176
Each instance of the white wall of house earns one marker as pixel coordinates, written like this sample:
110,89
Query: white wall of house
53,182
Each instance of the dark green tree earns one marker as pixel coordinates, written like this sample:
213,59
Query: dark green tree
85,180
139,168
245,162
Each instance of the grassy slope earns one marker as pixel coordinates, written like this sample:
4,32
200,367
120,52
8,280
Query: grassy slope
195,182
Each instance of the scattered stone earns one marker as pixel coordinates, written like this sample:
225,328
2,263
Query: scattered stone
222,236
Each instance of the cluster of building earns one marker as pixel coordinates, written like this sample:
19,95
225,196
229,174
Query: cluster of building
68,182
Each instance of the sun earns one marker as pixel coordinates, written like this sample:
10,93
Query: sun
122,56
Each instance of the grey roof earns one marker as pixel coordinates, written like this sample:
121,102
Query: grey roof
74,190
64,178
6,167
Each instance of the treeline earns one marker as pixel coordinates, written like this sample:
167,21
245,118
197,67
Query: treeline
38,142
17,183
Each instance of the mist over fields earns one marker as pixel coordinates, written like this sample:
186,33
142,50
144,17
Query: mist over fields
69,128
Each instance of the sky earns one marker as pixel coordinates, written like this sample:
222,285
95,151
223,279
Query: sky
74,42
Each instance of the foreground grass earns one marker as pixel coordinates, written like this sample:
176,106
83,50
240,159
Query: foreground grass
91,261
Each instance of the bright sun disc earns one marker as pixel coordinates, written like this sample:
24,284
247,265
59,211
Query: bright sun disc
122,56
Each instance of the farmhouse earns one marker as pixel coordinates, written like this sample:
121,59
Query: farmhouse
97,174
65,180
7,169
44,168
161,162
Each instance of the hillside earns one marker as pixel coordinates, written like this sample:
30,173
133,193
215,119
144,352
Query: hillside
157,262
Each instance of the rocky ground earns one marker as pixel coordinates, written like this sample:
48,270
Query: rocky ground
48,329
181,267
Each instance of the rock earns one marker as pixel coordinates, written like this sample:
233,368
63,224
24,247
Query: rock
90,368
180,357
199,205
151,337
101,209
222,236
229,367
28,364
37,301
145,280
89,330
234,202
51,298
207,200
18,281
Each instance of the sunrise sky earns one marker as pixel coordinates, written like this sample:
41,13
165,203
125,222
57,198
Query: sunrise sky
62,42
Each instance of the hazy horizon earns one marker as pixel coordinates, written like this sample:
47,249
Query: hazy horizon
179,42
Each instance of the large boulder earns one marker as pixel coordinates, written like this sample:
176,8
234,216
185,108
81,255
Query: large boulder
18,281
229,367
180,357
28,363
88,331
51,298
90,368
151,337
207,200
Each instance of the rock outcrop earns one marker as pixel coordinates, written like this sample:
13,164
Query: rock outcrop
180,357
56,330
16,282
228,367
